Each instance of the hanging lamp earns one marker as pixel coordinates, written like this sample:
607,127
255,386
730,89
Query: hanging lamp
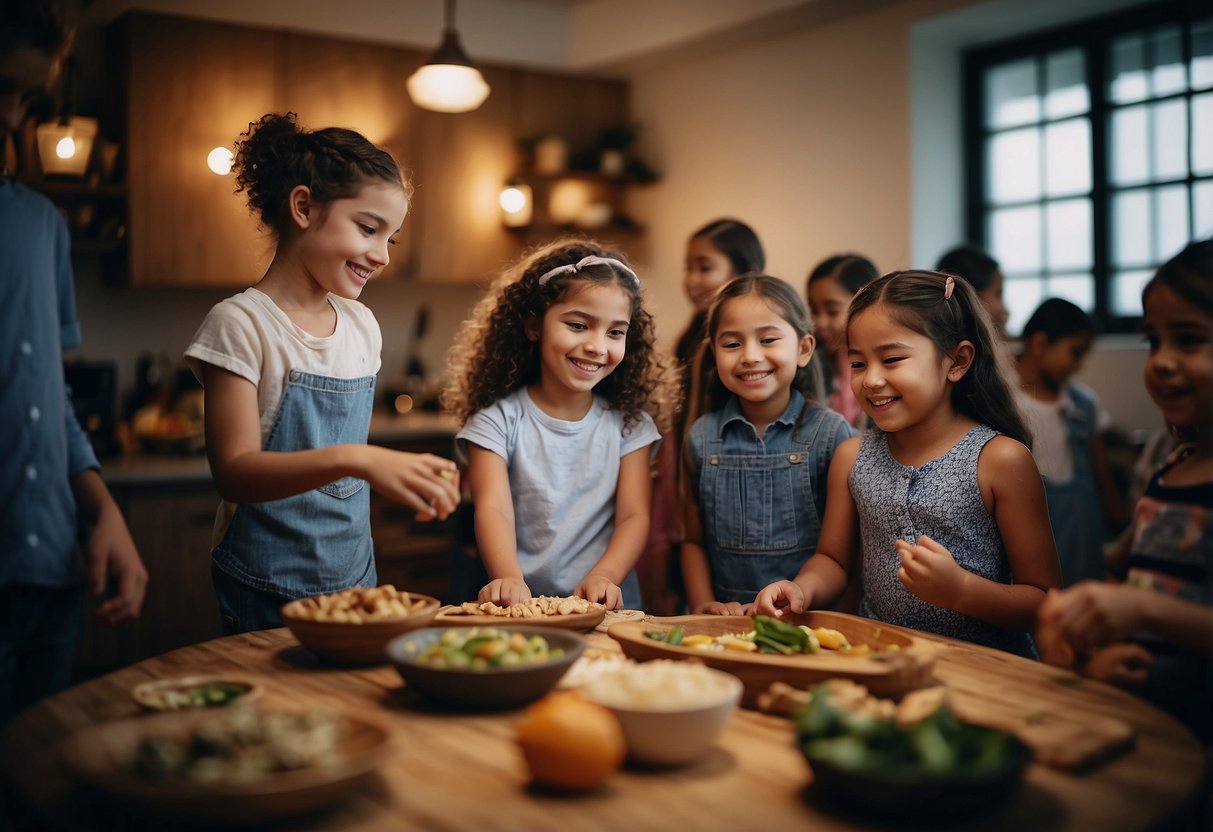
448,82
66,143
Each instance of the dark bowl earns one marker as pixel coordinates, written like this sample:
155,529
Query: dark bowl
493,688
918,792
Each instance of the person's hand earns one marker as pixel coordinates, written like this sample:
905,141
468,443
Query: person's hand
599,589
1092,613
114,566
929,571
1125,665
505,591
1054,649
774,599
722,608
426,483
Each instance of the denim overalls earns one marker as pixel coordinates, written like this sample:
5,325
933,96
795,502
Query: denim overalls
1074,510
762,501
312,543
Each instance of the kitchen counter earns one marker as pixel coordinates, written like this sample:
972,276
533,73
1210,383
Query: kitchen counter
162,469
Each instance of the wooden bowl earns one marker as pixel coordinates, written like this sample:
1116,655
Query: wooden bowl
449,616
152,695
345,643
100,756
888,674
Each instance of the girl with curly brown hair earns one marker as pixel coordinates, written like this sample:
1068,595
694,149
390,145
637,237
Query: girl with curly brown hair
556,383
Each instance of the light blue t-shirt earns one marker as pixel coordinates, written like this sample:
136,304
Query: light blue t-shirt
563,477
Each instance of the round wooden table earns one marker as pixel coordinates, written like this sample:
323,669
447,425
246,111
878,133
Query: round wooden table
463,771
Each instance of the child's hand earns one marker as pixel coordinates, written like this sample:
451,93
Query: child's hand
722,608
930,572
505,591
1125,665
599,589
426,483
774,598
1092,613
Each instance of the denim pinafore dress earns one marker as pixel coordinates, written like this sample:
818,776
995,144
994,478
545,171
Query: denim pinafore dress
1074,510
307,544
762,501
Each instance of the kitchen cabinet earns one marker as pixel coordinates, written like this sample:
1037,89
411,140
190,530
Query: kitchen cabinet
195,85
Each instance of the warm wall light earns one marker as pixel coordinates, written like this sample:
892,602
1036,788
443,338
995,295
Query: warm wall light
448,82
516,204
65,145
219,161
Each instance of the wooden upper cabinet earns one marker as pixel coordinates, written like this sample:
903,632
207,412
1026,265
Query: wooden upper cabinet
193,86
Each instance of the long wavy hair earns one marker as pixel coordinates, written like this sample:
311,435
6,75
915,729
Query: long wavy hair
915,299
708,392
492,355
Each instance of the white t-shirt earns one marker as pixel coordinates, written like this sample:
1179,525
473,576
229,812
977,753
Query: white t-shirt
563,477
247,334
1050,440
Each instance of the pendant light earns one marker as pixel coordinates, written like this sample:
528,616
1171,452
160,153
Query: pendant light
66,143
448,82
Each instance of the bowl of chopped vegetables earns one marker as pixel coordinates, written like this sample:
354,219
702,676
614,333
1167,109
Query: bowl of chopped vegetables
484,668
885,759
194,692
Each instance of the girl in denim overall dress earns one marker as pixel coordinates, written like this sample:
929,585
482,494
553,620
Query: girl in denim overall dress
289,370
943,493
554,378
757,461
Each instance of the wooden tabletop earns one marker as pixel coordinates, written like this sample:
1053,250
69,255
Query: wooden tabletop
462,772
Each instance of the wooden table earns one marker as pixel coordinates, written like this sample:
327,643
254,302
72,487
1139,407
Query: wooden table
464,772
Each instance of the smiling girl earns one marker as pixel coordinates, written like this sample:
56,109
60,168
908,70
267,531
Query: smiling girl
756,463
554,379
289,372
943,493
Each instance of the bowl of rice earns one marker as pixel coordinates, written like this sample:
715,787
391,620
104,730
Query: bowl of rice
671,711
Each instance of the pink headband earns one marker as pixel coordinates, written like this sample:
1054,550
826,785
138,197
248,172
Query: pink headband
591,260
948,286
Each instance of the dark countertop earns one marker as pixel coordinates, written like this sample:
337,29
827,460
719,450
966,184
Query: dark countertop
152,469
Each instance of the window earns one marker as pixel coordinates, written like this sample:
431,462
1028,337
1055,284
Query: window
1090,157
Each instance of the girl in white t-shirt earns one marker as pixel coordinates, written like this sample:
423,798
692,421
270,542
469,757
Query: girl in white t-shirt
289,371
554,379
1066,421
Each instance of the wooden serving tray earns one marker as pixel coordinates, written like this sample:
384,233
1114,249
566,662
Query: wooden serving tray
575,621
885,674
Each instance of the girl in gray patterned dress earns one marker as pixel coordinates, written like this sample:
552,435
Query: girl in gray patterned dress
943,494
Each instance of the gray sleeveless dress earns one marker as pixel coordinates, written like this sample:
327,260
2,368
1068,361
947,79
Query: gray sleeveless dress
941,500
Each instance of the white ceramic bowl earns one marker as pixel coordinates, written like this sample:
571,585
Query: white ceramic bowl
671,711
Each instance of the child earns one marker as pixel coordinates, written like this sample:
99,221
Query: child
985,275
756,464
553,379
1066,419
720,251
943,494
55,505
1155,631
289,371
830,288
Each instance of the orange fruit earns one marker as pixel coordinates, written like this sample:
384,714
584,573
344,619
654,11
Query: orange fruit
570,743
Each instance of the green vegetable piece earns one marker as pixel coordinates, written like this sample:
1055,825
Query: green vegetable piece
675,635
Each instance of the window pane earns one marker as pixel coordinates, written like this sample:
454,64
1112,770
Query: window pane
1171,216
1068,234
1068,157
1126,293
1170,75
1014,166
1202,133
1127,77
1078,289
1011,95
1170,134
1065,85
1015,238
1022,295
1130,164
1202,55
1131,229
1202,203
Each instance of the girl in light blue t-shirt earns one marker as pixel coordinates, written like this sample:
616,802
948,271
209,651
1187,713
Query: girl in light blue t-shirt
554,379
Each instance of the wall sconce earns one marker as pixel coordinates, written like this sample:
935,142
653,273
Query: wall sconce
65,145
448,82
219,160
517,204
